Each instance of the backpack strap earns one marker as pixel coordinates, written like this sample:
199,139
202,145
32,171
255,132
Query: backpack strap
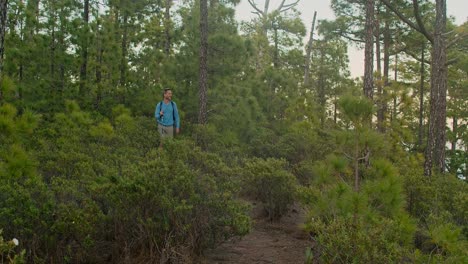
160,108
173,112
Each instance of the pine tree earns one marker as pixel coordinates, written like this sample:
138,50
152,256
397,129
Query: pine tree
3,19
203,74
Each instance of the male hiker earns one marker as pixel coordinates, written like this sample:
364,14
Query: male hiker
167,115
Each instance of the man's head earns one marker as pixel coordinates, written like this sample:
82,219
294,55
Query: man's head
167,94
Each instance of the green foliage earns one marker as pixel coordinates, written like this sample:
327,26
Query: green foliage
178,199
358,110
9,253
438,196
268,181
385,189
7,88
368,224
24,199
341,241
106,184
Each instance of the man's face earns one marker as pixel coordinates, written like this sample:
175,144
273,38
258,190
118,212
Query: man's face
168,95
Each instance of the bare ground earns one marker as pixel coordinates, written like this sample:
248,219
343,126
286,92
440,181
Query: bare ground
268,242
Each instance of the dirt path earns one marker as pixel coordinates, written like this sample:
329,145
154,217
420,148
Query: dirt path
280,242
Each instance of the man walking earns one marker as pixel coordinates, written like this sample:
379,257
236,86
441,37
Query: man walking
167,116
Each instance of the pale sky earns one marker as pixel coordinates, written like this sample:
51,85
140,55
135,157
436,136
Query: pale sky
456,8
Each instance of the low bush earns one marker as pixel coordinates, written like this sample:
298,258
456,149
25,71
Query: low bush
268,181
93,189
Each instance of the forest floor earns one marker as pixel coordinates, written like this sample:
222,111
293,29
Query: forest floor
280,242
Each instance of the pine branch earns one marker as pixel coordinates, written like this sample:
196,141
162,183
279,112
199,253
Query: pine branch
457,39
452,61
350,38
407,21
259,12
417,14
414,56
283,7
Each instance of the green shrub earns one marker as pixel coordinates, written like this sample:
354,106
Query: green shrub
8,252
368,225
269,182
172,204
440,195
87,190
343,240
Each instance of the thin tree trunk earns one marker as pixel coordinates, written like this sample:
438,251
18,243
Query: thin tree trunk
123,62
356,167
3,19
62,48
321,89
84,53
421,99
455,132
267,4
309,52
435,150
386,70
167,27
335,110
53,47
380,116
203,71
369,51
276,51
100,53
21,60
31,28
394,110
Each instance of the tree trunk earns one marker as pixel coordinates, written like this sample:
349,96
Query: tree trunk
167,28
394,110
21,59
84,53
380,116
369,51
203,71
62,48
123,62
455,132
309,52
435,150
321,89
53,47
386,70
421,99
276,51
3,19
335,110
356,167
100,54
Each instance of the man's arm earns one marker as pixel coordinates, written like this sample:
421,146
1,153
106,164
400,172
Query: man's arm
156,112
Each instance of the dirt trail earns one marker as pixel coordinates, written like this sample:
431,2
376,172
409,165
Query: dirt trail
279,242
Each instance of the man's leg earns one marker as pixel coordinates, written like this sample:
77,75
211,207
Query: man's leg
165,133
162,133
